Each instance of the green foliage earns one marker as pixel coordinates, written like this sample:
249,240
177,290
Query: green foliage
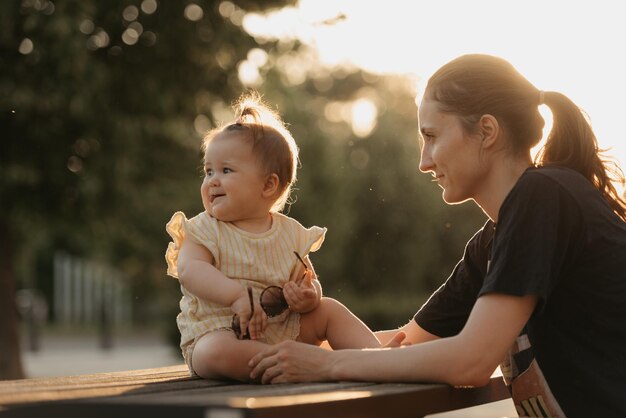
391,239
101,144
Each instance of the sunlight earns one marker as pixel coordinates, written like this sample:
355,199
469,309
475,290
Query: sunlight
248,73
336,112
547,117
558,45
363,117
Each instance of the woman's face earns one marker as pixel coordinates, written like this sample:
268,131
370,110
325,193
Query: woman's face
450,154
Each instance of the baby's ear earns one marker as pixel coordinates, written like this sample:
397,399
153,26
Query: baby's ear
270,188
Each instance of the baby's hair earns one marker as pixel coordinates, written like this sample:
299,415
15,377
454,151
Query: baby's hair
272,143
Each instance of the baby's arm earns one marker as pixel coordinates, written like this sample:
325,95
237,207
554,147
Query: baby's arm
199,276
303,294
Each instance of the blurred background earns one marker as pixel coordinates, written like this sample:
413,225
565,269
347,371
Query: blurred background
103,106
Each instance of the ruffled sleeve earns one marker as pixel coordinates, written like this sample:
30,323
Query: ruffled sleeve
200,229
307,240
313,238
175,227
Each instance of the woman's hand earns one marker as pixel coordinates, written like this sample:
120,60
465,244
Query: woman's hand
291,361
302,297
253,321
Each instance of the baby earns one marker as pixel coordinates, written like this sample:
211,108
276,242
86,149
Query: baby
244,270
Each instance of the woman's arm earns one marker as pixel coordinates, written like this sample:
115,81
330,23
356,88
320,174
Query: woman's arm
466,359
414,334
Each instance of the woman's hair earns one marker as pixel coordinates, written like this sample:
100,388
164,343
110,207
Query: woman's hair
272,143
471,86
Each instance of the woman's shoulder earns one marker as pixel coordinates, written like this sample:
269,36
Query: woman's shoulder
547,183
553,192
551,175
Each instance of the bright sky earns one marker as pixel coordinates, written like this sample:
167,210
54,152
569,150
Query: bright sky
575,47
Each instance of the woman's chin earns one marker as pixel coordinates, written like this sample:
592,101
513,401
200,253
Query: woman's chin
450,198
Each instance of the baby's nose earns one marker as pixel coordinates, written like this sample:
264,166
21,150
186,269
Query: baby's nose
214,180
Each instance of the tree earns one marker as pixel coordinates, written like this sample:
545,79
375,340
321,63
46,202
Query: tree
99,102
391,239
103,105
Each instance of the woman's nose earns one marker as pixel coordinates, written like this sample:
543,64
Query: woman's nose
426,163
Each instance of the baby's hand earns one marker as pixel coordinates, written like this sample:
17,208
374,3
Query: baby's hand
252,319
301,297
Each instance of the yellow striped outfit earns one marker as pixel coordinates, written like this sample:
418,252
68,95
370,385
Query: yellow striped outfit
255,260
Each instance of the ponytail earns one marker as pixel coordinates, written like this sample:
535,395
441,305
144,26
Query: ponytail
571,143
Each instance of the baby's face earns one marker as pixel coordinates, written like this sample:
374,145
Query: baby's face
232,189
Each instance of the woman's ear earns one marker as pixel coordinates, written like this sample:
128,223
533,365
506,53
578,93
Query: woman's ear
270,188
489,130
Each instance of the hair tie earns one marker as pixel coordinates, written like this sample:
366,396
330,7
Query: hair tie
542,98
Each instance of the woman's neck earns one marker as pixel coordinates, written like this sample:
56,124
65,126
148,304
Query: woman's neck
503,178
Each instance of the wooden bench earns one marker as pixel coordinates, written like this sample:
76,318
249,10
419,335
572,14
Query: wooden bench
171,392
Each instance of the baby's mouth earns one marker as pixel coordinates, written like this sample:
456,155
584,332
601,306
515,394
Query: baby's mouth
215,196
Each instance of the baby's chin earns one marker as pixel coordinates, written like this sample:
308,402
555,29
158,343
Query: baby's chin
209,210
217,216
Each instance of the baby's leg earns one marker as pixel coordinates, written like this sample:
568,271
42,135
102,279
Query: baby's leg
219,355
332,321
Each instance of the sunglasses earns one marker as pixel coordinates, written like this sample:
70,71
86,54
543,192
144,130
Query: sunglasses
272,301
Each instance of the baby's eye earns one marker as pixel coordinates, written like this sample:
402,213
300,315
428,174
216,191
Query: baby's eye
227,170
208,172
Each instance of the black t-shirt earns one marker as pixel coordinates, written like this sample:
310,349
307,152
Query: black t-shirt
558,239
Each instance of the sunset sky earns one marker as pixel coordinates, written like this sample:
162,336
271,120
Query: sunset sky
575,47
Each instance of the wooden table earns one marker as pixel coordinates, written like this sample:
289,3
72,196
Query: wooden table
171,392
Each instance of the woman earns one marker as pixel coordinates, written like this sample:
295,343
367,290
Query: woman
542,285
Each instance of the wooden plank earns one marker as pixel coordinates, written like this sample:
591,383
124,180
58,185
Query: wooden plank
160,373
172,392
173,380
344,400
100,385
383,401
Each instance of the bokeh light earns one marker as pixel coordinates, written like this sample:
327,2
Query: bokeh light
363,117
149,6
193,12
26,46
